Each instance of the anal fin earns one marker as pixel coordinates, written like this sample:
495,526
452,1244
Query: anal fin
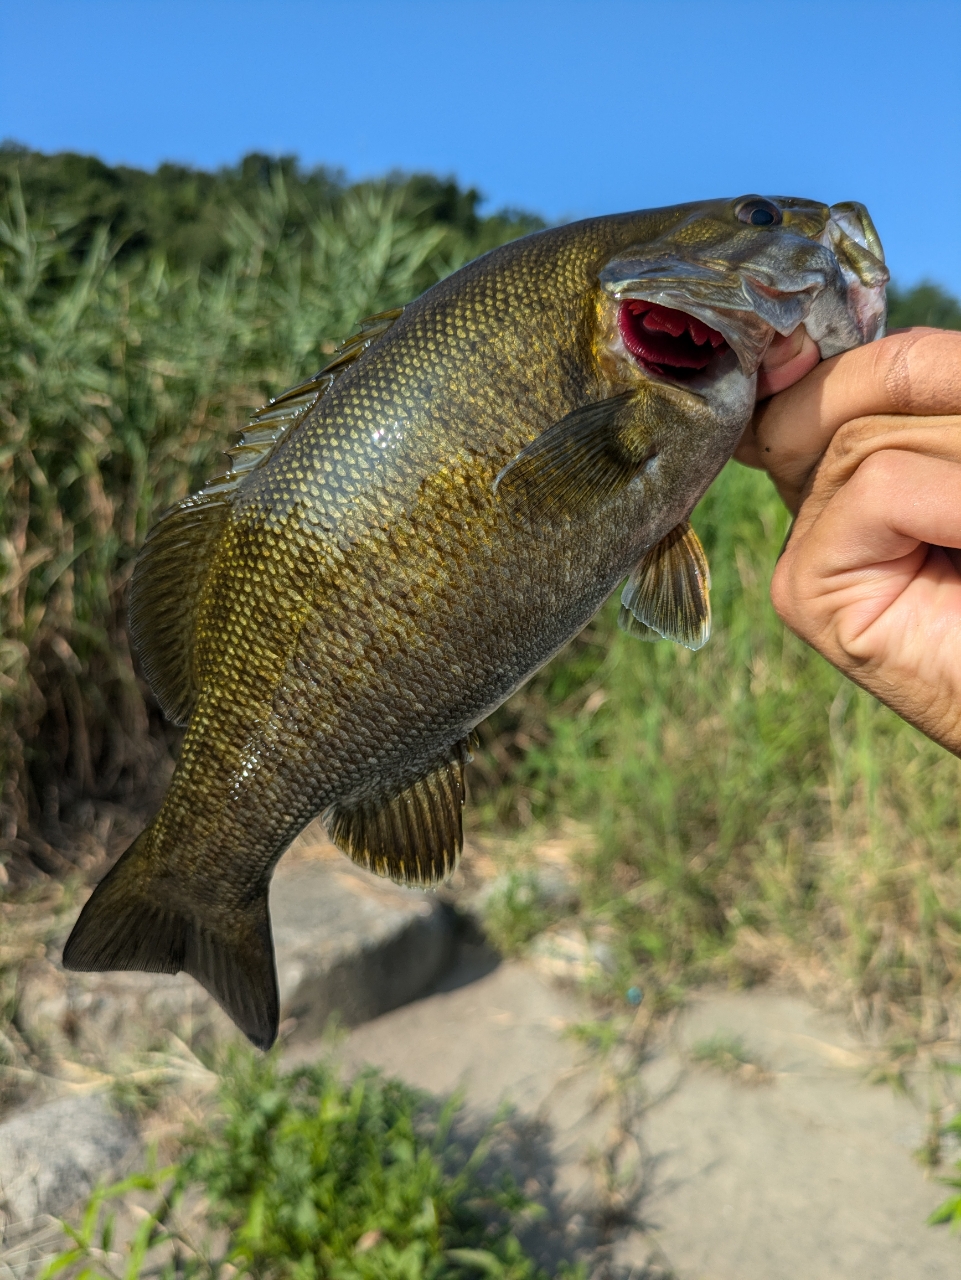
414,836
668,594
133,922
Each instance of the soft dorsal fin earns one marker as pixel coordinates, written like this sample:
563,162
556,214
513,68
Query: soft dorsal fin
414,836
169,577
668,594
164,595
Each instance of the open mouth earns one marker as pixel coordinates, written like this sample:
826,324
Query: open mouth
669,343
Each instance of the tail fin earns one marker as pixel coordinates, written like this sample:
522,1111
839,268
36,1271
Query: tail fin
127,924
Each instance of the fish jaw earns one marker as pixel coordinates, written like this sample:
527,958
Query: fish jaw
851,237
823,268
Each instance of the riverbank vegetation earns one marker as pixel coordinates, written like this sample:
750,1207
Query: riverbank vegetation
749,811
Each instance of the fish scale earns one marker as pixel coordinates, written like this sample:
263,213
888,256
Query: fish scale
408,536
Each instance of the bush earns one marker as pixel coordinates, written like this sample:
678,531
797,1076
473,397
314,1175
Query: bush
308,1178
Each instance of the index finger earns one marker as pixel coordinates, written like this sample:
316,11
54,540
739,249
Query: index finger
917,372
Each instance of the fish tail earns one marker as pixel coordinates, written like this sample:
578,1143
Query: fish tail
130,922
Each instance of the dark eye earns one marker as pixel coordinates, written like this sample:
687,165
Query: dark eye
757,212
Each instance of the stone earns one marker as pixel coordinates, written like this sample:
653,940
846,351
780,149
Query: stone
51,1158
349,943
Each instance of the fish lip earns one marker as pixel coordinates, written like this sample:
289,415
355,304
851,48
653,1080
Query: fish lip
851,237
730,306
671,282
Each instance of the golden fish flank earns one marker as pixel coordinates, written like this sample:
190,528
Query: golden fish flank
406,537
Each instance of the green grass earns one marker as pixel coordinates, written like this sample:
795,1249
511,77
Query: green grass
308,1178
749,809
729,1054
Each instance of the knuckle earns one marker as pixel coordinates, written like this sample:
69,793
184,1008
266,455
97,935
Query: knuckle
879,472
847,441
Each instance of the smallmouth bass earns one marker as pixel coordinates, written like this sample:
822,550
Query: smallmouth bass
406,537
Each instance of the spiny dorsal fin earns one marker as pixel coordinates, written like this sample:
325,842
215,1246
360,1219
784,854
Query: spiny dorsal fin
274,422
414,836
168,580
585,458
668,594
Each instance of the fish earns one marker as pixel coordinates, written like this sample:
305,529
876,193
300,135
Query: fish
407,536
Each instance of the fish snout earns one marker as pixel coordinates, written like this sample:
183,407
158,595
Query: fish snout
745,302
851,236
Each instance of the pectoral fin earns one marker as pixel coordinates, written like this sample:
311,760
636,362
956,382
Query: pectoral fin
583,460
668,594
414,836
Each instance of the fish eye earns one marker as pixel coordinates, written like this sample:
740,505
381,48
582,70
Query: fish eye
758,212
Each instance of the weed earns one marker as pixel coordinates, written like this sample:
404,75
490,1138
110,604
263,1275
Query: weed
120,381
928,1155
729,1054
304,1176
752,810
601,1035
516,909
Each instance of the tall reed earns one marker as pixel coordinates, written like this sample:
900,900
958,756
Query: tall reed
119,385
747,802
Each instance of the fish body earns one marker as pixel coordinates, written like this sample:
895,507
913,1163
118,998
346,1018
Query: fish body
404,539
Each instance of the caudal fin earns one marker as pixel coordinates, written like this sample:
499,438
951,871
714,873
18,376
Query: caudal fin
129,923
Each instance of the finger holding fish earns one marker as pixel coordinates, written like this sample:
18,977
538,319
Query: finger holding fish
870,575
914,372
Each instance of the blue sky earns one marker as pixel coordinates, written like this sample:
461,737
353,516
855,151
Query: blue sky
565,108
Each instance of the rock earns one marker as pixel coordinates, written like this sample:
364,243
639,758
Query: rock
349,942
53,1157
346,942
566,954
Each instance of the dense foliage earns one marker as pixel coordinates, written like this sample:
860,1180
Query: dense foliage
184,213
121,378
312,1179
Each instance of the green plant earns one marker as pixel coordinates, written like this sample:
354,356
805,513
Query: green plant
751,807
516,909
728,1053
949,1211
304,1176
119,382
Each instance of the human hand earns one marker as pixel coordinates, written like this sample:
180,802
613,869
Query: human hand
866,450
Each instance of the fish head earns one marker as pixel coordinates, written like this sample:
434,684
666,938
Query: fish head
703,300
